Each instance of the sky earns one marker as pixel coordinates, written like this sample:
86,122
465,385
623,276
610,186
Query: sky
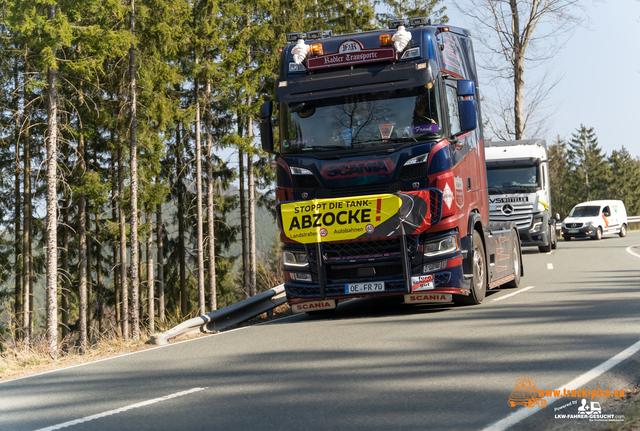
600,69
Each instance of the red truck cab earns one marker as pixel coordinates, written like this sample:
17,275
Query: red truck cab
381,179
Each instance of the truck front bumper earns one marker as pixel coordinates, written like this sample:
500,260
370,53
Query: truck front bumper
528,238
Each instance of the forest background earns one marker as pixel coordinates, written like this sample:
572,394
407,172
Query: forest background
137,101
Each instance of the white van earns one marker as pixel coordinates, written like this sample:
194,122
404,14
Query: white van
594,219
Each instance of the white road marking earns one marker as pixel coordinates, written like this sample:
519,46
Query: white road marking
630,251
120,410
524,412
549,265
514,293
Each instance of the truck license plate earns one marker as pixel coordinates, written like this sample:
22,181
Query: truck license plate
573,230
377,286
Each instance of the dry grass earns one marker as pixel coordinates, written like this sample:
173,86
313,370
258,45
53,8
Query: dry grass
17,361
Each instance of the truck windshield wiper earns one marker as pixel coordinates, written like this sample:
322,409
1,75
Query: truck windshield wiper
326,147
386,141
499,190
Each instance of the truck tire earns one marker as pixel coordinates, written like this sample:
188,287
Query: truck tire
545,248
516,267
479,281
623,231
598,235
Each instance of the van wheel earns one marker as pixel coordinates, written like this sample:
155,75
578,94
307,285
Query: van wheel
598,234
623,231
516,267
479,282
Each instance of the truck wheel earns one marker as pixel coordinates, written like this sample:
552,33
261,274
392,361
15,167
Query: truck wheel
516,267
623,231
545,248
479,282
598,234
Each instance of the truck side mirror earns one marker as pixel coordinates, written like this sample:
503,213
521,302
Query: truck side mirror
557,216
467,107
266,128
468,118
466,88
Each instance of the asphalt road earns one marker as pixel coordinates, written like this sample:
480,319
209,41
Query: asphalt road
373,365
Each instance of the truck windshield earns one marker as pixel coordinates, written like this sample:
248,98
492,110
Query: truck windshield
365,120
586,211
513,179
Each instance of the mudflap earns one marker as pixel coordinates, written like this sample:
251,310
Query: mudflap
502,241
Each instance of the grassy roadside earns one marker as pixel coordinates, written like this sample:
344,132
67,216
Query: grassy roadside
16,361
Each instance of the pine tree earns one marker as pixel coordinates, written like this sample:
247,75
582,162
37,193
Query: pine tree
588,165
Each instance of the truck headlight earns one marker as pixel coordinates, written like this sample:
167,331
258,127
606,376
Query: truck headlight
536,227
301,276
442,246
296,259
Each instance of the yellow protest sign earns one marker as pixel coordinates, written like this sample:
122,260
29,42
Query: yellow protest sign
339,219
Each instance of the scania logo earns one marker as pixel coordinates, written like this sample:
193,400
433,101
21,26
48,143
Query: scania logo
365,168
507,209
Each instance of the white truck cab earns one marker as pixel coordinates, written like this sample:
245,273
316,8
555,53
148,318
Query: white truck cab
595,218
519,191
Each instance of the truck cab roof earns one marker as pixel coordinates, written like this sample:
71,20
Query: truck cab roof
518,151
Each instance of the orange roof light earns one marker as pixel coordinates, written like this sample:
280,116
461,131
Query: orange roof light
385,40
316,49
443,28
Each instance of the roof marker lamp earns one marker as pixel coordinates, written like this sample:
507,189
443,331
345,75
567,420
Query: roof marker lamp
385,40
293,37
417,21
316,49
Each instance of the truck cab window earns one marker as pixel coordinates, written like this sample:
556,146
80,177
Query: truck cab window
452,104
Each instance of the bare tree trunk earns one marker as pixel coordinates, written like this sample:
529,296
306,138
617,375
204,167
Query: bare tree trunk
213,303
19,247
52,209
150,282
251,204
160,264
82,251
184,304
123,246
90,330
66,285
135,312
201,300
17,240
99,287
114,244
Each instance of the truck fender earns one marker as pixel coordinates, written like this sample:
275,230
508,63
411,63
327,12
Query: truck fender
475,219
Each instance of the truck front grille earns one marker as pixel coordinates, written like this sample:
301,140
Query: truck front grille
344,251
522,214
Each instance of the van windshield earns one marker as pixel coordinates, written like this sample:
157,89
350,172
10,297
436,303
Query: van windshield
364,120
585,211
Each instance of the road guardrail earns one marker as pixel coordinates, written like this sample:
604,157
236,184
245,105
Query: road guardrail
635,219
225,317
